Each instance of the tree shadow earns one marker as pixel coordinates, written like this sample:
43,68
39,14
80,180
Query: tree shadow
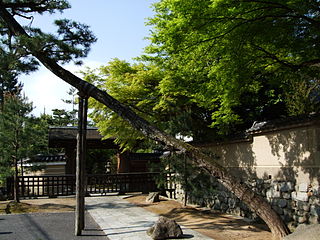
212,220
56,206
239,157
300,149
272,161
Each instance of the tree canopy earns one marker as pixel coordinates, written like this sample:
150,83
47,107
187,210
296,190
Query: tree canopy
242,60
215,67
71,42
138,85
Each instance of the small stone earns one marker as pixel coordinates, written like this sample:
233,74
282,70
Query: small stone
272,193
293,204
286,195
314,200
217,205
224,207
315,210
288,215
303,187
302,219
302,196
221,198
282,203
232,202
294,195
165,228
286,187
276,186
314,219
236,211
303,206
153,197
292,226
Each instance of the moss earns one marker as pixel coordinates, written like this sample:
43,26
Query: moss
18,207
3,207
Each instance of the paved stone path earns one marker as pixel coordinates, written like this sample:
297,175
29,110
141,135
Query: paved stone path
121,220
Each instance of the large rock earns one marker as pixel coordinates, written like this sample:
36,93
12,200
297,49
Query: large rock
153,197
165,228
305,232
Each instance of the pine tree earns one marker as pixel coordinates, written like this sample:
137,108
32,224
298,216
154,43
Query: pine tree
16,137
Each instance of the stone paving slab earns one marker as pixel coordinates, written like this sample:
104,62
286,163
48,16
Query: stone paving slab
121,220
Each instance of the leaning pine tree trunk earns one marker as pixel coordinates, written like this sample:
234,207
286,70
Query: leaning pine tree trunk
254,201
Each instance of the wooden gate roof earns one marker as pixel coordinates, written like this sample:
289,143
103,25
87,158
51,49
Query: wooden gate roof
62,137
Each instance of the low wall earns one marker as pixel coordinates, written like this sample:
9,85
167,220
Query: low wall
280,162
296,204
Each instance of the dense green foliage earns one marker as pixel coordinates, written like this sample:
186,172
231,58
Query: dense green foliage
71,43
101,161
192,179
242,60
128,84
215,67
139,87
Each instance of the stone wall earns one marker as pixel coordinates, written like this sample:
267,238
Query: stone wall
280,160
296,203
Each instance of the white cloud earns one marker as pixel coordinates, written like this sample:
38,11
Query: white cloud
46,91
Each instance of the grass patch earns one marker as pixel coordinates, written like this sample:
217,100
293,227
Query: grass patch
37,205
3,207
14,207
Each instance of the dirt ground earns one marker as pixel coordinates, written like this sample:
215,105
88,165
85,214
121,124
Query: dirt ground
42,205
212,224
215,225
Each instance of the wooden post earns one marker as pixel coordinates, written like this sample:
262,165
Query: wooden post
185,181
80,164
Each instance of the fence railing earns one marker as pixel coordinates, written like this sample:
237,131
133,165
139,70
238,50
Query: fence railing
124,182
64,185
52,186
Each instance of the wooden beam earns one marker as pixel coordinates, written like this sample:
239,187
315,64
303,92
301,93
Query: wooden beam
80,164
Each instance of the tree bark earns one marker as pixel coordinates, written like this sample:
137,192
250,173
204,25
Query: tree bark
254,201
15,181
80,165
16,170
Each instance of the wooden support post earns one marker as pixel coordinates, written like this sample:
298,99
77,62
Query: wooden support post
80,164
185,182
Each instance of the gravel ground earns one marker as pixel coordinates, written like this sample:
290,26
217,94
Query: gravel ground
216,225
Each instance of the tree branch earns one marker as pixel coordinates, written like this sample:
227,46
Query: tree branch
280,5
311,63
275,58
29,6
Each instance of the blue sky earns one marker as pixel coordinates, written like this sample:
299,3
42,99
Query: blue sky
120,28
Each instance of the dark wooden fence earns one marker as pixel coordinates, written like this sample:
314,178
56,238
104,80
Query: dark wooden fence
64,185
129,182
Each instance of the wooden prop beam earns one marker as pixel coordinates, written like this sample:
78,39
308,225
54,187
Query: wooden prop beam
80,164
